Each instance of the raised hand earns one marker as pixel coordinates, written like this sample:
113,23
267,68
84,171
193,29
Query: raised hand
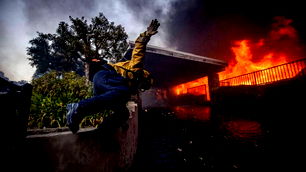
152,29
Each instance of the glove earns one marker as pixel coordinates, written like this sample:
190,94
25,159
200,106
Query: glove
152,29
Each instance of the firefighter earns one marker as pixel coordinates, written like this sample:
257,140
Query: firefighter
115,83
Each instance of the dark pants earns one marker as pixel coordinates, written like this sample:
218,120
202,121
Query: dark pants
111,91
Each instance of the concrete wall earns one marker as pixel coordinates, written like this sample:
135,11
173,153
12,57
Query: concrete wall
89,150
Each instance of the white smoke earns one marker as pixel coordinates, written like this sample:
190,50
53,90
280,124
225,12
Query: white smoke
21,19
14,39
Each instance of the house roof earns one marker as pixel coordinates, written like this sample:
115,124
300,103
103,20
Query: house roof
171,67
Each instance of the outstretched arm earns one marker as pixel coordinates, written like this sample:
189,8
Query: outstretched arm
140,45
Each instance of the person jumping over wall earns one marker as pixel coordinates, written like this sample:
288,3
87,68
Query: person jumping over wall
115,83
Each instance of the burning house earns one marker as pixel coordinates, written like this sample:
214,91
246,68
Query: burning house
179,74
274,57
171,68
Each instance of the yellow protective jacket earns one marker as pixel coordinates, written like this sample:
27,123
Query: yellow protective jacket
136,62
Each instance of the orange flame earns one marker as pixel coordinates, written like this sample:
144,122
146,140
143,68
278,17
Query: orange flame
244,60
280,45
250,56
194,87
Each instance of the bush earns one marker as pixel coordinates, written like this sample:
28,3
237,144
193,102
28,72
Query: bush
51,93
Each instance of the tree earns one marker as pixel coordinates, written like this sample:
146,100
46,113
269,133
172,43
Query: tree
73,47
40,53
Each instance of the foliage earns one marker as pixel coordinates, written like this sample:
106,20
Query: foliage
73,46
51,93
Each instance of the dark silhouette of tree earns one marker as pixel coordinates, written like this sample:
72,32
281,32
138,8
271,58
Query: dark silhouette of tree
73,47
40,52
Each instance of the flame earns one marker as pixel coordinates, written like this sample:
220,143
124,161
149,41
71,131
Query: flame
193,87
280,46
244,61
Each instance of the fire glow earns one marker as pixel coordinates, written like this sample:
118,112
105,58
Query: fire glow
257,62
241,65
244,63
193,87
243,129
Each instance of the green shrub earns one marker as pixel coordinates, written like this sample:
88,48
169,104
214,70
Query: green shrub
51,93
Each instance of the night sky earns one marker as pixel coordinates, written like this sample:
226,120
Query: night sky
203,27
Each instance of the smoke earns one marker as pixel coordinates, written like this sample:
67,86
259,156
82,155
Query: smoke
143,11
201,27
282,39
13,40
21,19
45,15
210,28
